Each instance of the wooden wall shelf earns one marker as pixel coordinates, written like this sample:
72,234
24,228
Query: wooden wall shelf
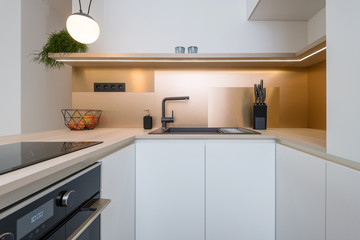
307,57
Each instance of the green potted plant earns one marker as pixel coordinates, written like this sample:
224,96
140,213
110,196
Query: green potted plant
58,42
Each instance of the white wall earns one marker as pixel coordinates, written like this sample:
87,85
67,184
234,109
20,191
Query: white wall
44,92
251,5
317,26
10,66
214,26
343,82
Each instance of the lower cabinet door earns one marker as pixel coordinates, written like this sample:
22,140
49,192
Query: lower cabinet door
170,184
300,195
118,185
342,203
240,191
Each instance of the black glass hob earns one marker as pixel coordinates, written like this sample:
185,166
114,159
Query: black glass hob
22,154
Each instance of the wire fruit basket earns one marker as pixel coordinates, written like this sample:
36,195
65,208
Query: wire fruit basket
81,119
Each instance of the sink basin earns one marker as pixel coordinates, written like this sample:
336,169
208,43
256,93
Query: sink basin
200,130
191,130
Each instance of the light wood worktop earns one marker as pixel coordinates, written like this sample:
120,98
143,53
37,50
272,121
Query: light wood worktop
23,182
20,183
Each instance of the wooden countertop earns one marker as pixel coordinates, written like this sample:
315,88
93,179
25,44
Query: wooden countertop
20,183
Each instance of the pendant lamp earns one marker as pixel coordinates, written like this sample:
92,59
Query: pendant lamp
82,27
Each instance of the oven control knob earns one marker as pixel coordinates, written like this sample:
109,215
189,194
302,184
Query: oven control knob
7,236
68,198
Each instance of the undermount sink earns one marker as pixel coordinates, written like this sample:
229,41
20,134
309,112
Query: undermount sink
199,130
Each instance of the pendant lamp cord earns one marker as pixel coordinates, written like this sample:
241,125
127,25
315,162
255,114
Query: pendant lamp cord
88,7
80,6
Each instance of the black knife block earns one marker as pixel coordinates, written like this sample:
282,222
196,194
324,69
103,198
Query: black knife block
259,116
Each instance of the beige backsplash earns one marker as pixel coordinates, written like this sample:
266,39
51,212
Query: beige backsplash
119,109
136,80
238,110
217,97
317,96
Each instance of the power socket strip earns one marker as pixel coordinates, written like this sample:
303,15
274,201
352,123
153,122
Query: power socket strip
109,87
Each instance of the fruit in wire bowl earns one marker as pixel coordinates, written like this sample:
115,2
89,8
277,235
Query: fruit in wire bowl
81,119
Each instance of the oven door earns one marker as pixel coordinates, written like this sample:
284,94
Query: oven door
84,224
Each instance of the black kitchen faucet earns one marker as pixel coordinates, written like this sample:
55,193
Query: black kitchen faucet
164,119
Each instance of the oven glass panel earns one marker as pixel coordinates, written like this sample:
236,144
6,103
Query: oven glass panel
34,219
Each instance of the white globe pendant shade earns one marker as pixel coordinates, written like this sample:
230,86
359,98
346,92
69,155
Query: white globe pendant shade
82,28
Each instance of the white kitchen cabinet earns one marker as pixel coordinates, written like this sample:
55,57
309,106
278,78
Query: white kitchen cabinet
118,184
240,191
300,195
170,184
342,203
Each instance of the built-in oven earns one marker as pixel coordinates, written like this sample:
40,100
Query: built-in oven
70,209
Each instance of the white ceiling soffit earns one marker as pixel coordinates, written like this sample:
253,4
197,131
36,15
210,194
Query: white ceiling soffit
286,10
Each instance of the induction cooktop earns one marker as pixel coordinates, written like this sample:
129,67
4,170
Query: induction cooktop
22,154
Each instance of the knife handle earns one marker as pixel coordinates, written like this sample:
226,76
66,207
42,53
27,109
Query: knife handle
264,96
260,97
255,92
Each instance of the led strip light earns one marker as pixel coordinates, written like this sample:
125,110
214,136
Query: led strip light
190,60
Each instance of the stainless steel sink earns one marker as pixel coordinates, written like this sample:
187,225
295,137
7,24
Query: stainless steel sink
200,130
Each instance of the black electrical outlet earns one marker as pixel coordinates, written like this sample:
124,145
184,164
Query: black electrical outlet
109,87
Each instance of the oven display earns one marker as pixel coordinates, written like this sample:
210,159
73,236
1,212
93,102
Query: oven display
33,219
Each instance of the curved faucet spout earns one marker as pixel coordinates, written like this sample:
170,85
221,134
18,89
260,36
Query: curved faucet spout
164,119
175,99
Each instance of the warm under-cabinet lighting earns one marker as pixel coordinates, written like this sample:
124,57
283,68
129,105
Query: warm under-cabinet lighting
195,60
82,27
312,54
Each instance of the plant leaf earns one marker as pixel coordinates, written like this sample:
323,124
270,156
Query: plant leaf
58,42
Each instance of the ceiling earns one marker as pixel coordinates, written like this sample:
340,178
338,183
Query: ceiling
286,10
